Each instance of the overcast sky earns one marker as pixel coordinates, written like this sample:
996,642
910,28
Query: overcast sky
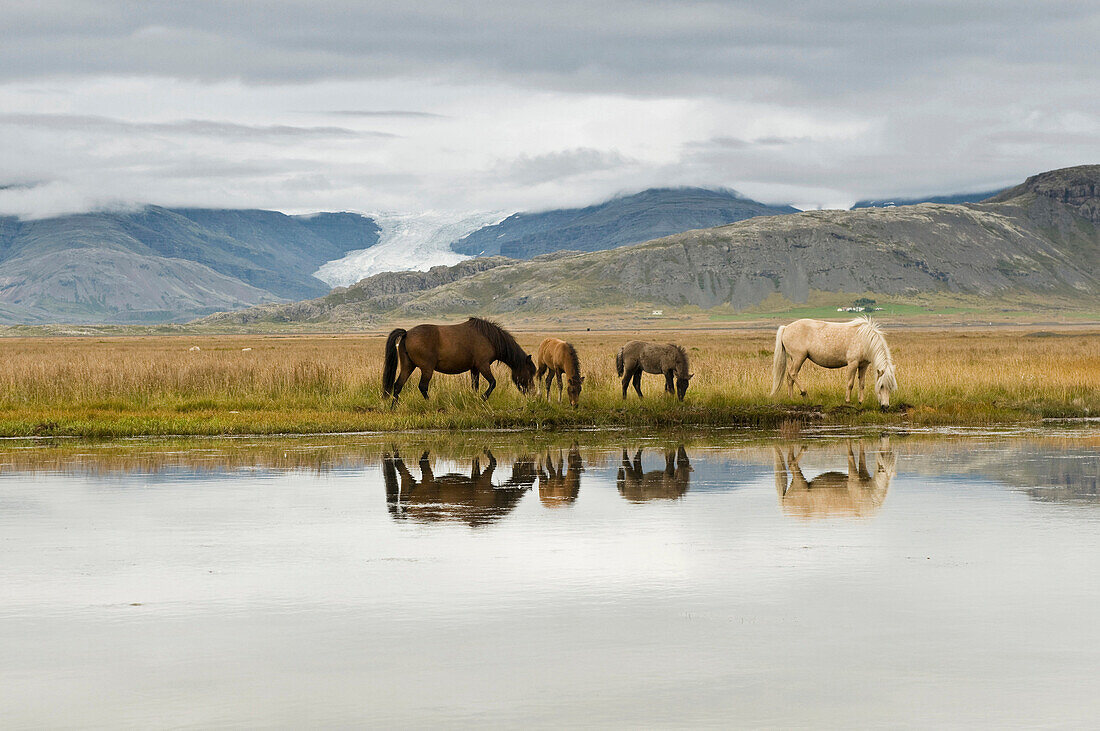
456,106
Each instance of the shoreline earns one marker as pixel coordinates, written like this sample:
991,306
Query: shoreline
537,420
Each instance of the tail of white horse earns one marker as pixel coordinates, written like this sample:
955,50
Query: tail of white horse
779,361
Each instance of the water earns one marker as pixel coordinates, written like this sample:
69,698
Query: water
728,580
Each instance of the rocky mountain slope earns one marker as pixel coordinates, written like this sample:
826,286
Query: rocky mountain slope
1039,237
159,264
618,222
375,294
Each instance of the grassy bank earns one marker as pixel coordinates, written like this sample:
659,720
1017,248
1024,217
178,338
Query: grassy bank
236,384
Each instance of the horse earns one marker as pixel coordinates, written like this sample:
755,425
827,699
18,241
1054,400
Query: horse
471,346
559,484
667,484
661,358
854,345
856,492
555,358
453,496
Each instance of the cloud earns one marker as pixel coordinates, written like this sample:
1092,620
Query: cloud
387,113
639,46
486,106
193,127
552,166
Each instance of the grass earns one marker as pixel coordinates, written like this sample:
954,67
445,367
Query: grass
156,385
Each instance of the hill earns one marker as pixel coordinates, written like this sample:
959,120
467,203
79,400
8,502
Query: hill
159,264
618,222
1038,238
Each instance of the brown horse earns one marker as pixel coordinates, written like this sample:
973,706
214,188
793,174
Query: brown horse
472,346
560,484
453,497
662,358
557,357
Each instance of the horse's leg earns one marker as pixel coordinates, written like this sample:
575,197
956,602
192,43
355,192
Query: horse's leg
862,380
792,458
863,473
668,382
475,379
794,365
487,372
850,375
559,387
779,466
426,473
627,375
487,475
407,368
549,382
425,378
538,378
638,382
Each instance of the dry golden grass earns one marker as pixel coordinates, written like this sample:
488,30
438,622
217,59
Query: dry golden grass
314,383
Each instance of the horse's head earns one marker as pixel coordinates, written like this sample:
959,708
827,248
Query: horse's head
523,375
885,384
574,390
682,385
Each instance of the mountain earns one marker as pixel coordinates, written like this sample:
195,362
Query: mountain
1040,237
159,264
379,293
618,222
951,199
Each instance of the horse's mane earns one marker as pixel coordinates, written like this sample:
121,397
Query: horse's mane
506,347
682,360
576,361
874,344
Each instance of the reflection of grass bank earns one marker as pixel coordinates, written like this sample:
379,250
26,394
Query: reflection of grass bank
599,447
317,383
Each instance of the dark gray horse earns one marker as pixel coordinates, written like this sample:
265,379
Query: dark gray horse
661,358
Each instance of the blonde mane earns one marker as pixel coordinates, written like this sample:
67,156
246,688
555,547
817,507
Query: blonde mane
877,351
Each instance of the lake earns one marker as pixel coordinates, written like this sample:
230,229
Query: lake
732,578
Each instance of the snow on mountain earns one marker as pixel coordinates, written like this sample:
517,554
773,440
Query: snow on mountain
407,241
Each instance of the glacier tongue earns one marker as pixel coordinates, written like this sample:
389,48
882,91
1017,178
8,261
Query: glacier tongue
406,241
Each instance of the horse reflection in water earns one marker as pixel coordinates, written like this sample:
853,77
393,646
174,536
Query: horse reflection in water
669,483
855,493
453,497
560,484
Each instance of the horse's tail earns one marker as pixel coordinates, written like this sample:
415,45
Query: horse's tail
389,370
619,363
779,361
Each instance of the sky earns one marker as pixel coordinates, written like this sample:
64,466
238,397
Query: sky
458,106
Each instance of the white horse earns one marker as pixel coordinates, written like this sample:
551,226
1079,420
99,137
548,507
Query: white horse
854,345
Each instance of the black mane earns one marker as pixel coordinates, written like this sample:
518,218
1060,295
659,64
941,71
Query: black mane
682,366
506,347
576,361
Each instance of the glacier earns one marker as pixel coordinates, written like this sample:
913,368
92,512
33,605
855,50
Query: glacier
407,241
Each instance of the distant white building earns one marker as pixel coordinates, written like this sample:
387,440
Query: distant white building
658,313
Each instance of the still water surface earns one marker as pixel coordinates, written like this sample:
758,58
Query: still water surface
729,579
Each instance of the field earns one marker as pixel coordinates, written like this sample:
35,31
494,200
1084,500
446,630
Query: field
311,383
